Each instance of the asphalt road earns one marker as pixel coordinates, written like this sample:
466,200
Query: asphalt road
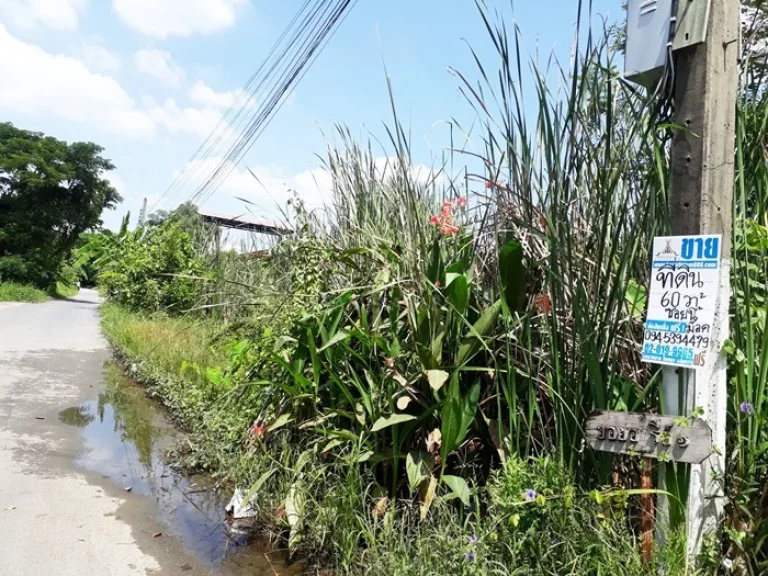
55,518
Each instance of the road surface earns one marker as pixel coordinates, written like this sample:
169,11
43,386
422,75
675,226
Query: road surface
55,518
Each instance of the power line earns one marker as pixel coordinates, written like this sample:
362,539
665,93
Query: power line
302,58
263,95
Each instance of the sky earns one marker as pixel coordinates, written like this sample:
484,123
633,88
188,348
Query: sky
148,80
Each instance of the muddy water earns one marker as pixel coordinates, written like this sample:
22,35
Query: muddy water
126,438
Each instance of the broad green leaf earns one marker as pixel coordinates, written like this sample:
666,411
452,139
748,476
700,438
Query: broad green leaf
437,347
458,293
437,378
512,274
450,418
435,270
280,422
459,488
382,423
473,341
335,339
254,490
636,299
214,376
468,408
331,445
302,461
365,456
415,468
450,277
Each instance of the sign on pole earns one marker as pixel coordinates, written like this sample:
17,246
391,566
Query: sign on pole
685,278
687,440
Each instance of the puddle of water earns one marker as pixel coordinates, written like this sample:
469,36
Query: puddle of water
126,437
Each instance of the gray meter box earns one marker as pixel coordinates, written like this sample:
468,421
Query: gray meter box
648,28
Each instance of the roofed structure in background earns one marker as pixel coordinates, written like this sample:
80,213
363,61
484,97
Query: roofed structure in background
246,222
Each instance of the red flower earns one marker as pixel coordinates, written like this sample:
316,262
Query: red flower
435,220
461,202
258,430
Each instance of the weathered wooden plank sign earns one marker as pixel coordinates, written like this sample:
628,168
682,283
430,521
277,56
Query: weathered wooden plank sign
650,436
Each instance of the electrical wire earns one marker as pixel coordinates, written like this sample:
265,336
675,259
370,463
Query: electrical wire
263,95
298,65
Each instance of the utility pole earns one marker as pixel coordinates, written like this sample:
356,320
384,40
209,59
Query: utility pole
143,213
702,170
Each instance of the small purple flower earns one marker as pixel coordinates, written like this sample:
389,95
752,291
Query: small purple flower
472,539
530,495
470,556
747,408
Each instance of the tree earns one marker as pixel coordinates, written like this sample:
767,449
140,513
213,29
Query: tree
50,193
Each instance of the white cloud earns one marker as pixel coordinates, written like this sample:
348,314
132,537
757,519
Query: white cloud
197,121
203,94
58,14
164,18
36,82
159,64
97,57
269,190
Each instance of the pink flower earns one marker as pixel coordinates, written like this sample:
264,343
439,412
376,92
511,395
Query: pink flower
448,229
488,185
438,284
435,220
389,362
461,202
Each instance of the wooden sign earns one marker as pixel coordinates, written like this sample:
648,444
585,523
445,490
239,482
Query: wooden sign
650,436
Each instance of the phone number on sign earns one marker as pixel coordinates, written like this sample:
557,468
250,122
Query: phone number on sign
665,352
694,340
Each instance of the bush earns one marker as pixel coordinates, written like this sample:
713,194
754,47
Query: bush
154,269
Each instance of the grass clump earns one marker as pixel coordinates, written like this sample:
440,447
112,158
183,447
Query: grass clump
13,292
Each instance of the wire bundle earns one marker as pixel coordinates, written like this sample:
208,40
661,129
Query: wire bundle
256,104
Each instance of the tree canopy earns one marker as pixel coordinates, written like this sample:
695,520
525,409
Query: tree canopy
50,193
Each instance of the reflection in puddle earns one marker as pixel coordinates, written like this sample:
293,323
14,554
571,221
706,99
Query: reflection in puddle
126,437
76,416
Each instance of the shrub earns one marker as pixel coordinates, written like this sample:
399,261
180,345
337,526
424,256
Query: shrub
154,269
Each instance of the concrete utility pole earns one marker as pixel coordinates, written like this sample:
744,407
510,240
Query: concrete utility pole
702,170
143,213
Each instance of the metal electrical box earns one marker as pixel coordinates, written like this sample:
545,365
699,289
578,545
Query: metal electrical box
648,35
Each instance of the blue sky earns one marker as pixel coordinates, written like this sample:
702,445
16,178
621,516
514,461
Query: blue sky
148,80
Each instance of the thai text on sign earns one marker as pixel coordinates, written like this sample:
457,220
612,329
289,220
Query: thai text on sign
685,278
687,440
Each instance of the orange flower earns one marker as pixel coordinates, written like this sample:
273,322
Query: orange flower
543,303
258,430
